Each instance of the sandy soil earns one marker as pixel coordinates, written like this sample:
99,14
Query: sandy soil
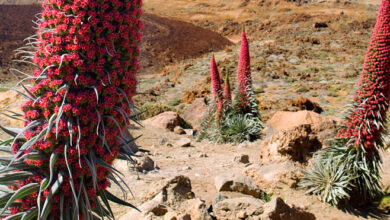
191,162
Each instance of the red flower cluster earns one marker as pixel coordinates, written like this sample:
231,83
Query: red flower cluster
244,75
365,123
216,89
87,57
215,82
222,98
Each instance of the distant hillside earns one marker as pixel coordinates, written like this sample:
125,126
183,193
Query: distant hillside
19,2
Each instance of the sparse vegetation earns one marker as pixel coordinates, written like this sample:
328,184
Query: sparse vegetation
150,109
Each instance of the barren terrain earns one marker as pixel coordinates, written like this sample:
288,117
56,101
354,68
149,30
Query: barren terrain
298,51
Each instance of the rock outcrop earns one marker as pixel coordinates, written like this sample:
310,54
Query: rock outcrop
277,209
165,120
175,200
237,183
295,136
194,112
276,173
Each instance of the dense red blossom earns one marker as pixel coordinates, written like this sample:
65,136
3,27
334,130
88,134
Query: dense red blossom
244,79
88,52
364,124
215,82
216,89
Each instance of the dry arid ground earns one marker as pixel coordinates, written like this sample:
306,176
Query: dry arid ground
299,49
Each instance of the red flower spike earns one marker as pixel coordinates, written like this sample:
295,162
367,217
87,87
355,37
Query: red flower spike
87,57
215,82
371,100
244,74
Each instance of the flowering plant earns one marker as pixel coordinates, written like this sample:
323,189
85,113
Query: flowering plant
76,114
228,121
351,168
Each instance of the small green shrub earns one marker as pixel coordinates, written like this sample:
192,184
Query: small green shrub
259,90
150,109
302,89
174,102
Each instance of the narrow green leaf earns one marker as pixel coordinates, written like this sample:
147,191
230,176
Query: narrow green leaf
11,131
91,164
71,178
53,160
4,198
16,216
115,199
7,142
62,206
28,91
33,156
30,214
13,112
21,193
103,197
50,125
45,213
15,176
56,185
6,149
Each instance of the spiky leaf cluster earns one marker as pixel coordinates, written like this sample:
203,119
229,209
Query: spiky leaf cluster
77,112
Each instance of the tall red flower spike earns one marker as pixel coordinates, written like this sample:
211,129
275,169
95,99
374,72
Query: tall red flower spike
227,94
244,74
352,166
365,123
217,89
78,111
215,82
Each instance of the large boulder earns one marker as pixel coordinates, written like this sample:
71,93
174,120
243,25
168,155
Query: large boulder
195,209
273,174
285,120
295,144
171,199
296,135
237,183
238,208
277,209
165,120
194,113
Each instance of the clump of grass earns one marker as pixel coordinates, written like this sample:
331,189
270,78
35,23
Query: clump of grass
150,109
174,102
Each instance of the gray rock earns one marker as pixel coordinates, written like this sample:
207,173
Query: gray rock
237,183
242,158
238,208
272,174
179,130
190,132
183,142
165,120
144,163
277,209
195,209
219,197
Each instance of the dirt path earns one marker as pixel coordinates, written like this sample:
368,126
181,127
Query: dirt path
203,161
